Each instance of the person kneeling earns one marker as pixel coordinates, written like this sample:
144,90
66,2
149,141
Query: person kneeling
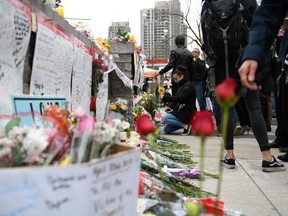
181,106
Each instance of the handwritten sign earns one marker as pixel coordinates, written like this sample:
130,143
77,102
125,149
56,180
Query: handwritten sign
14,40
114,187
81,80
34,104
52,64
105,187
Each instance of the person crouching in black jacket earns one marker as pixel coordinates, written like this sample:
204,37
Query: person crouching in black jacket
181,106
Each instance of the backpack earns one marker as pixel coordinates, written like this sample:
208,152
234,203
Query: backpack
224,29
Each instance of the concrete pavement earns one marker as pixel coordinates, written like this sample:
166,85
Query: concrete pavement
245,189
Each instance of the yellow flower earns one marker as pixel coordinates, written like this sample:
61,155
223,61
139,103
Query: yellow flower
113,107
161,90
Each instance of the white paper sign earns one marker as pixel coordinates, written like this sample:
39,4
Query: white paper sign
108,187
14,40
52,64
114,186
81,80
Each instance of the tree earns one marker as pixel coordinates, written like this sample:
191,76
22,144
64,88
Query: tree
196,34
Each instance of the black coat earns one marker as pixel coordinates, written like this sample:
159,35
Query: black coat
199,70
179,56
184,102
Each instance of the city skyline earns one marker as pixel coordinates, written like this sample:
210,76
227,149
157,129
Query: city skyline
102,16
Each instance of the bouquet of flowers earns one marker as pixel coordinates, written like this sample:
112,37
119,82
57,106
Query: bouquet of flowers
150,103
119,106
23,146
105,135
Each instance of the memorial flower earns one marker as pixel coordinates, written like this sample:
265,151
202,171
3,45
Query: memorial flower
227,97
144,125
161,90
23,146
105,135
150,103
124,126
203,126
119,106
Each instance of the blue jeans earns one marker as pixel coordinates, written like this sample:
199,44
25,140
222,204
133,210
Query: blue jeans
171,123
198,86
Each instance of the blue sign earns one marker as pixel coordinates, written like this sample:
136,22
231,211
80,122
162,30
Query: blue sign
30,107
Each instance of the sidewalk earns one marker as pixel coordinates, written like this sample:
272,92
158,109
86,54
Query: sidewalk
245,189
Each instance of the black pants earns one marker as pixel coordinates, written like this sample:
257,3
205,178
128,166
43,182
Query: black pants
282,113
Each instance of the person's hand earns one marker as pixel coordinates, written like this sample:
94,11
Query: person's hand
156,74
161,96
247,73
167,109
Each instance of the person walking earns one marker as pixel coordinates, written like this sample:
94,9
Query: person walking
228,65
181,105
281,93
178,56
266,22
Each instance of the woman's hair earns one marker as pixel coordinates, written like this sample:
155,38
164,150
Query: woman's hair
180,70
179,40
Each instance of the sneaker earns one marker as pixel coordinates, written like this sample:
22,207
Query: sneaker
237,130
272,166
228,163
187,131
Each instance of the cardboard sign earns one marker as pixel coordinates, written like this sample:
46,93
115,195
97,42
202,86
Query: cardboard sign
107,186
30,107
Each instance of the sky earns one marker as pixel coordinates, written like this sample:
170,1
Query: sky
103,12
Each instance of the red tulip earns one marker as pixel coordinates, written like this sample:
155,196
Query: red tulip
226,92
202,123
144,125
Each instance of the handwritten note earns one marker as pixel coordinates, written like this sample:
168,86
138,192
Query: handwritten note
81,80
14,40
52,64
106,187
115,185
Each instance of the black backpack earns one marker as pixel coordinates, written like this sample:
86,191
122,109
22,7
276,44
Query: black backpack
224,29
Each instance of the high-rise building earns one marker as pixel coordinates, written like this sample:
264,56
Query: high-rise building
118,28
159,27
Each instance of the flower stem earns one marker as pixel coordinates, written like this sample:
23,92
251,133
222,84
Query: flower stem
202,150
225,118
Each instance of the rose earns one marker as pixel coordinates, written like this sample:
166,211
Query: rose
202,123
226,92
227,97
144,125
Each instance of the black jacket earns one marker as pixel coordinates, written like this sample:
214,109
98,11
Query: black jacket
184,102
199,70
179,56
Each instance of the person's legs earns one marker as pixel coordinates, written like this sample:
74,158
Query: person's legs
171,123
198,86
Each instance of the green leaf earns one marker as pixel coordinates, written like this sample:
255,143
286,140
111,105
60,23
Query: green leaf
12,123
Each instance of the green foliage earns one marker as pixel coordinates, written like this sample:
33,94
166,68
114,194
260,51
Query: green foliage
12,123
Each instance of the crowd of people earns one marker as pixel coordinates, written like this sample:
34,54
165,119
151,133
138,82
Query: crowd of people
259,63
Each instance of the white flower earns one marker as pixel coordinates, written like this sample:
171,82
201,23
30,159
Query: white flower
35,143
5,146
124,126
